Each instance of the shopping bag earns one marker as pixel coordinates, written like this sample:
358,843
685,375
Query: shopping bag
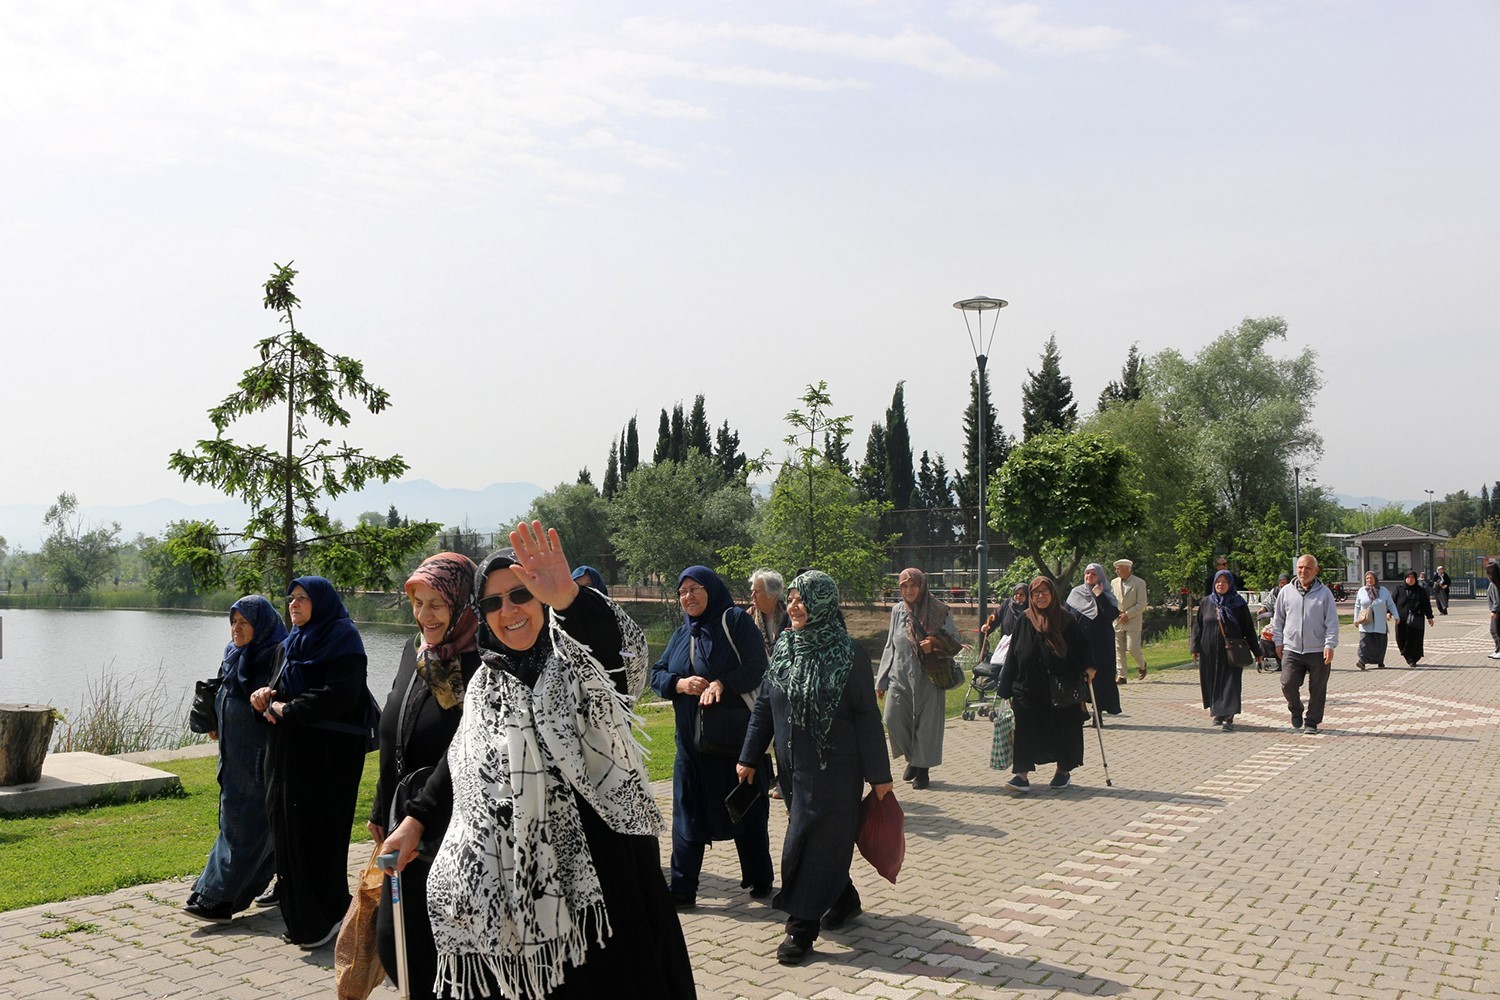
356,958
882,834
1002,749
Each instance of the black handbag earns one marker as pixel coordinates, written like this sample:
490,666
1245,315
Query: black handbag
203,717
1235,646
409,785
720,728
1066,691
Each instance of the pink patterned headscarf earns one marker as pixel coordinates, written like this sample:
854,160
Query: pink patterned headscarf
452,576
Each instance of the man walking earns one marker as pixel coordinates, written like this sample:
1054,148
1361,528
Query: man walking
1441,584
1130,596
1305,629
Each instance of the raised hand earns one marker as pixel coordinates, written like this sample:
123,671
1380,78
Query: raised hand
541,567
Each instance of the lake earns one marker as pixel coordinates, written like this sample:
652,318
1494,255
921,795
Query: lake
54,657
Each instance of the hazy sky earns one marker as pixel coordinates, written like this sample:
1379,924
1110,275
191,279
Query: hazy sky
533,220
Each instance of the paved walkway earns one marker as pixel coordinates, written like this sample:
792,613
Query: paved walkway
1362,862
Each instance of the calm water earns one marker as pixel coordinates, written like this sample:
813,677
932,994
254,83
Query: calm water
53,657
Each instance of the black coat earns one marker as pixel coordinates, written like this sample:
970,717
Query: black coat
1413,602
823,801
1219,680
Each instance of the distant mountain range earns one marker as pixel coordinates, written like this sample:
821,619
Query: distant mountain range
1353,503
417,499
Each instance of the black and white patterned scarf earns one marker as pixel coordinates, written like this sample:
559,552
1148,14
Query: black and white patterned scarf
513,891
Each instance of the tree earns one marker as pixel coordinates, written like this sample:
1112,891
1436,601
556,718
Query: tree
676,514
836,450
189,561
997,445
813,419
581,517
369,556
697,428
75,555
663,450
1264,552
899,479
1058,496
1132,384
1251,414
677,447
393,517
872,482
630,452
1047,397
611,484
283,488
728,457
585,478
1180,568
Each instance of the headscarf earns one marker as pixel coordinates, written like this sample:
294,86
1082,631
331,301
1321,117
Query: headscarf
268,631
925,616
1373,589
526,664
328,635
1013,609
705,627
452,576
1082,598
1231,601
514,892
811,665
1051,622
588,576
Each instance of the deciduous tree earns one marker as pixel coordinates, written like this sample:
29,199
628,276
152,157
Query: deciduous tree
76,555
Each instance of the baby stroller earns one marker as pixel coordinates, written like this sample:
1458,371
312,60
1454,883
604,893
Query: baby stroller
1270,662
979,699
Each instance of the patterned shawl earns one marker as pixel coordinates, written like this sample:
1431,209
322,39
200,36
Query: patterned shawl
452,576
811,664
925,615
513,891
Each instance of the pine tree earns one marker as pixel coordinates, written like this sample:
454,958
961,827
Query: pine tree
698,434
1047,397
612,473
942,496
677,450
584,478
728,458
663,440
900,483
393,517
836,451
926,488
630,451
1132,384
872,484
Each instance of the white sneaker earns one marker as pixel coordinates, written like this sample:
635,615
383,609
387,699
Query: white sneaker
1495,656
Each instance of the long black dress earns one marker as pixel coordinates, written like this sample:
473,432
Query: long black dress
1099,637
823,801
312,782
428,729
1413,609
1045,732
1219,680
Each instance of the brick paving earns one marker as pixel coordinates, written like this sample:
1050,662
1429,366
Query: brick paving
1361,862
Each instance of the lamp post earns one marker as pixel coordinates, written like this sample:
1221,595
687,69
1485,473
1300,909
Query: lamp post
980,305
1368,524
1427,560
1296,515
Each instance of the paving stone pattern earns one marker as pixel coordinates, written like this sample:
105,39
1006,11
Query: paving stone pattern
1360,862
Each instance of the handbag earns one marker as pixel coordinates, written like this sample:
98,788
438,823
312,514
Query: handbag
940,666
882,834
1065,691
1235,646
409,785
1364,615
1002,747
203,717
720,728
356,958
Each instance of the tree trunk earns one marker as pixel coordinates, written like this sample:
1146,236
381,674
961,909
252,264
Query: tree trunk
25,733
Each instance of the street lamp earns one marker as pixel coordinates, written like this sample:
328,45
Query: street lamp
1296,515
980,305
1368,522
1427,561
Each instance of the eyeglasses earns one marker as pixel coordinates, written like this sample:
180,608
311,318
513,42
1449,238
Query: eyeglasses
495,602
298,599
690,591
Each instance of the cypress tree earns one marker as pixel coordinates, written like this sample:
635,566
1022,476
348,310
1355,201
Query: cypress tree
996,444
728,458
584,479
677,448
1047,397
872,484
630,453
836,450
900,483
697,429
612,473
663,440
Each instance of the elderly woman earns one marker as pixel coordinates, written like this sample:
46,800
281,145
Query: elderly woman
767,609
1092,604
1413,615
712,663
421,715
316,704
240,864
1222,615
818,703
1374,633
548,881
921,627
588,576
1045,676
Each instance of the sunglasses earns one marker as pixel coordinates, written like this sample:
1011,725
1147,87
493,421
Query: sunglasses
495,602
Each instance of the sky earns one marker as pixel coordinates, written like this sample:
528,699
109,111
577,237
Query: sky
531,221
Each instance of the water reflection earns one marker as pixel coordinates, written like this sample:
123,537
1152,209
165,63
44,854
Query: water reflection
53,657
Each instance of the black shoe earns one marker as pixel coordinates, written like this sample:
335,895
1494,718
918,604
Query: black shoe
1060,780
271,896
1297,723
1228,726
836,917
1311,730
683,901
759,891
919,780
219,913
793,950
1017,785
909,773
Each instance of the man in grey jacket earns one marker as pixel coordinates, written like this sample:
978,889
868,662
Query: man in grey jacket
1305,629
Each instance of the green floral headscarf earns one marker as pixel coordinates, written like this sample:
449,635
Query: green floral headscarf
811,665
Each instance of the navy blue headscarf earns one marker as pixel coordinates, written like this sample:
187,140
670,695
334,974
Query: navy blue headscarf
1230,601
706,626
328,635
588,576
268,630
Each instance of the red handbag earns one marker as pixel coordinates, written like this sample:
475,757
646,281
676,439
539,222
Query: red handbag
882,834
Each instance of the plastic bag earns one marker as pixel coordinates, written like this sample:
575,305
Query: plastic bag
1002,749
356,958
882,834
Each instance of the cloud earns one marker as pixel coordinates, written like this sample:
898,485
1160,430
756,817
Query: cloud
1025,27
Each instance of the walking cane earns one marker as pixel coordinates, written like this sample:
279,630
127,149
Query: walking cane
1098,730
387,862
